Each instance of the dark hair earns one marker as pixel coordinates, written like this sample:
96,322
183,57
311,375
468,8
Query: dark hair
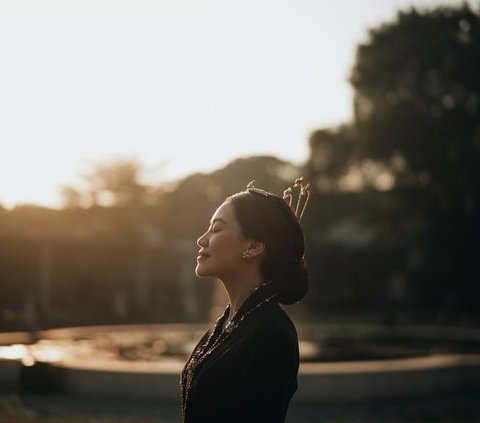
268,218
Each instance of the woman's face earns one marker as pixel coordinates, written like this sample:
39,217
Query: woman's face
221,247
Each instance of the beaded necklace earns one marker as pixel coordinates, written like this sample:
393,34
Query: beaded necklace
201,354
230,326
205,350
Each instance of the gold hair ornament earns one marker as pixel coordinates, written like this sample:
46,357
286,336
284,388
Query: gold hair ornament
252,188
303,196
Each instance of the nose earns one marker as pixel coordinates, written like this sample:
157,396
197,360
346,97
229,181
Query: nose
202,241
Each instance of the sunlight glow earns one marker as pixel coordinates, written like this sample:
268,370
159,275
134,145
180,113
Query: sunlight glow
13,352
186,84
46,353
29,354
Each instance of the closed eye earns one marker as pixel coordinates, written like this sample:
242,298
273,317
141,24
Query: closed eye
216,225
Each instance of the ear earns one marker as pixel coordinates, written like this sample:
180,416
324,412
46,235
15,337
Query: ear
255,248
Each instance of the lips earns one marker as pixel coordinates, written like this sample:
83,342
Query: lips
202,255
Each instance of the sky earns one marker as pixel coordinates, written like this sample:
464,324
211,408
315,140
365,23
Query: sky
182,86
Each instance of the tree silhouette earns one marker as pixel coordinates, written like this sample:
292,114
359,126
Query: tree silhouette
116,183
71,197
418,95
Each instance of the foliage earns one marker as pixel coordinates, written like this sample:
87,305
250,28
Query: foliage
122,263
114,183
418,95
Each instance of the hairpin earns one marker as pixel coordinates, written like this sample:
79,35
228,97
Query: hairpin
252,188
304,195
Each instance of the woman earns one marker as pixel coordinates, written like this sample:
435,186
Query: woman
244,369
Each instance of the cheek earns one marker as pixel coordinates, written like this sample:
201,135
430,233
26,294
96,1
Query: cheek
226,245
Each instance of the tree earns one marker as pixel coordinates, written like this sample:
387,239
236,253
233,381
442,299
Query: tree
71,197
418,95
116,183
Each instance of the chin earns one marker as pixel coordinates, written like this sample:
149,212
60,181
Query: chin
201,273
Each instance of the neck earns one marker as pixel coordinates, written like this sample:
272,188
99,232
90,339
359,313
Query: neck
238,291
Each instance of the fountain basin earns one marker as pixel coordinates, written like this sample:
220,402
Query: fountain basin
117,370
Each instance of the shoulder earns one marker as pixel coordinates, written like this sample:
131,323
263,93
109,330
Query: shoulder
273,332
274,320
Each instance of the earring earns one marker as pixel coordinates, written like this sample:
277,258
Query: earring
245,254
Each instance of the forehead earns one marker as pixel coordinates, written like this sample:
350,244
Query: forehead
226,213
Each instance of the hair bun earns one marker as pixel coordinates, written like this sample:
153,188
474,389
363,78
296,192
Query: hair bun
291,282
